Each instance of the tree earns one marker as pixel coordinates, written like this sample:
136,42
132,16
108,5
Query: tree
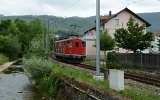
7,27
158,44
106,42
10,46
27,32
134,37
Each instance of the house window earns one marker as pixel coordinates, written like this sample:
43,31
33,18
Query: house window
117,22
116,49
134,21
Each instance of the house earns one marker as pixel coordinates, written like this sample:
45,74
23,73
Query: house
111,23
154,48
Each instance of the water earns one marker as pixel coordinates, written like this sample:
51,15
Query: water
15,85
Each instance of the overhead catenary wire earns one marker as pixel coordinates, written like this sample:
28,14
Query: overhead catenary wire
129,4
70,6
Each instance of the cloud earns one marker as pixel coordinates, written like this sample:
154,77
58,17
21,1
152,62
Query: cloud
68,8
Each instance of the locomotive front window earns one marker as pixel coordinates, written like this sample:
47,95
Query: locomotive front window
77,44
70,44
83,44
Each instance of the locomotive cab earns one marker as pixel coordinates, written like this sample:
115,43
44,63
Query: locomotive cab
73,49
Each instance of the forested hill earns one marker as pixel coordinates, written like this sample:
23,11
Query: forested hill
83,24
153,19
1,15
60,23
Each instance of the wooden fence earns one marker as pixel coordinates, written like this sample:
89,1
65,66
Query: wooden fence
148,61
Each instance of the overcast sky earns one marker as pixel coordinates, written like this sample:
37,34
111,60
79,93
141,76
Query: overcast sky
68,8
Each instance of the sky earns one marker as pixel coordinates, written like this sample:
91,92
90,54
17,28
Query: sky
69,8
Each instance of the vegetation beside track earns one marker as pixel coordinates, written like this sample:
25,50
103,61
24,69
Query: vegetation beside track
135,94
40,70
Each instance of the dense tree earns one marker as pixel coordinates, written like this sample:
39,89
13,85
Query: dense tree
18,34
158,44
27,32
24,34
10,46
133,38
8,27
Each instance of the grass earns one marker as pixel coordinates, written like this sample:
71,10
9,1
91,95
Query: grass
80,76
93,63
139,95
3,59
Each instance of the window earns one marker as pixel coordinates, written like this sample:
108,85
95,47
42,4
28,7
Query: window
117,22
83,44
69,43
116,49
135,21
77,44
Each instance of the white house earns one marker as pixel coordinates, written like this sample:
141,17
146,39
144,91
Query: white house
111,23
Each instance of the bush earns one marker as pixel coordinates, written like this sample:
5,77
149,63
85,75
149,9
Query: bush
111,57
3,59
112,60
10,46
38,67
35,48
128,65
50,85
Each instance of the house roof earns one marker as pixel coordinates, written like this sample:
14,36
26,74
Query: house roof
156,34
104,19
128,10
90,30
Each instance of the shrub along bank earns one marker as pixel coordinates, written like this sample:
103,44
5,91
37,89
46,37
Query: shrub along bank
40,70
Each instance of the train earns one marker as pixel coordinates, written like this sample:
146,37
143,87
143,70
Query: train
71,50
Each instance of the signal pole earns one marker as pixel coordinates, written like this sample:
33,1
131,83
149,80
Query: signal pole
97,37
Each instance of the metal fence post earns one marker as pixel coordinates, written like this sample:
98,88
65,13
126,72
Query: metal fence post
141,59
158,62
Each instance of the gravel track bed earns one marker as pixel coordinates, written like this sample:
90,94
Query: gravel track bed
142,86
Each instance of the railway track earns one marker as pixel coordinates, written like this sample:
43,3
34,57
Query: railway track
136,77
143,79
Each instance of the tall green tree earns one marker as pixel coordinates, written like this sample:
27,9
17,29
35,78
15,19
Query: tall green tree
24,34
106,42
10,46
8,27
133,38
27,32
158,44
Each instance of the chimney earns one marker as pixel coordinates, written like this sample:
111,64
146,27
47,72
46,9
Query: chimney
110,13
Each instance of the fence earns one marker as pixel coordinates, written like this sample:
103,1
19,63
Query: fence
148,61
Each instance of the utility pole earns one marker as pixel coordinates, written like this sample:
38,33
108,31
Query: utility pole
47,40
42,37
97,37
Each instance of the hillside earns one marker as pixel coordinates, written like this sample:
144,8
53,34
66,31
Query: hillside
153,19
60,23
83,24
1,15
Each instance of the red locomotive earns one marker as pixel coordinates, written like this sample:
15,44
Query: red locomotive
72,50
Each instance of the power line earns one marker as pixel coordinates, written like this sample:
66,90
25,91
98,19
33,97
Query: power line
133,2
70,6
